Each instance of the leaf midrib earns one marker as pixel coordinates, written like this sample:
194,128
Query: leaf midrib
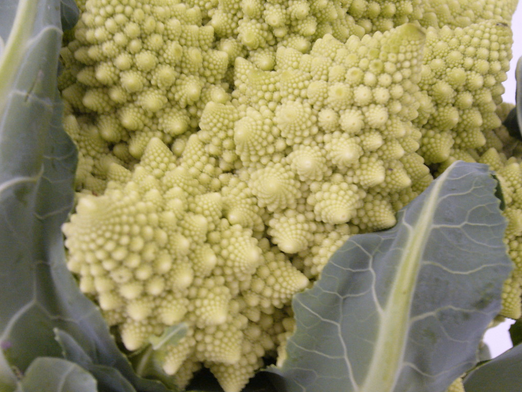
392,335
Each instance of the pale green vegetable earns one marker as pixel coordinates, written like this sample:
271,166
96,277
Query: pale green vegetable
405,309
53,338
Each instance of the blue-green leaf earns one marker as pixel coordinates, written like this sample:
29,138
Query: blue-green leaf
518,96
57,375
502,374
405,309
513,121
515,332
8,378
7,15
109,379
69,14
147,362
37,166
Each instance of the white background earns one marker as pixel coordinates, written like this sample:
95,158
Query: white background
498,338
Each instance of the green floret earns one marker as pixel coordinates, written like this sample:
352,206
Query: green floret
462,13
168,254
189,222
151,66
462,72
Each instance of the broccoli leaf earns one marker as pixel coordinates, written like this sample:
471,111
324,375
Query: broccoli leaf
147,362
47,374
69,14
7,16
7,376
502,374
405,309
518,96
513,121
515,332
109,379
37,166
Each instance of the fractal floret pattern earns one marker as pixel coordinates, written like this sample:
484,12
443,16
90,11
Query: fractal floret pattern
228,148
156,249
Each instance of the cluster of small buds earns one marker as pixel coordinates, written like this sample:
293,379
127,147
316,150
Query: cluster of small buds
228,148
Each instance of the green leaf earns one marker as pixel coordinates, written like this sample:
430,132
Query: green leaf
7,376
109,379
37,166
57,375
147,362
7,16
518,97
513,121
502,374
515,332
499,193
406,308
484,353
69,14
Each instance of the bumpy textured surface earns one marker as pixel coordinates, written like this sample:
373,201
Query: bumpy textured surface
461,81
463,13
228,148
156,249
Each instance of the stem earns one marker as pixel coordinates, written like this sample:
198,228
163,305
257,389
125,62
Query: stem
14,52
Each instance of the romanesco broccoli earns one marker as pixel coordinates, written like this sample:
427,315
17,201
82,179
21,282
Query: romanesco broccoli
228,148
